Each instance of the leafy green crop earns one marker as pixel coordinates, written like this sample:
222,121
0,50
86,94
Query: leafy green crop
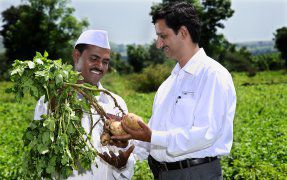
260,138
57,144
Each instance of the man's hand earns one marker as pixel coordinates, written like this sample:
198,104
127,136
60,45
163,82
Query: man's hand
143,134
117,161
120,144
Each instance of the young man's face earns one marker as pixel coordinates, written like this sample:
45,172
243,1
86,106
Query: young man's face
93,63
167,40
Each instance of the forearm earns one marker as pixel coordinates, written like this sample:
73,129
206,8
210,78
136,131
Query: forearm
181,141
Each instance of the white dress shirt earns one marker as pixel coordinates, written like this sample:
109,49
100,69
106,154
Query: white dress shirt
104,171
193,112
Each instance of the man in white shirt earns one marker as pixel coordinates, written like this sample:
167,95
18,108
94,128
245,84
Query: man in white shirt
91,57
192,118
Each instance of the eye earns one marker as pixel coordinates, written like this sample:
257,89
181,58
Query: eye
162,36
94,58
106,62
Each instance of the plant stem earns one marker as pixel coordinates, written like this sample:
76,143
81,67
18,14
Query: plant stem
97,90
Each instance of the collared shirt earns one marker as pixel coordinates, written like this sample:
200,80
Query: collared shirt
193,112
103,171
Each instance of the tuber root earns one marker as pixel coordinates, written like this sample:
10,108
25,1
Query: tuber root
105,139
131,120
114,127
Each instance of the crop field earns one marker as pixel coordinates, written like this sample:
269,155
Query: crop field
260,129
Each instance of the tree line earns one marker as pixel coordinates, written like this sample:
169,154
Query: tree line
39,25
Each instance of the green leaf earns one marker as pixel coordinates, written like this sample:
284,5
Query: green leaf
31,65
65,74
46,54
52,137
50,123
39,61
42,149
18,70
59,79
41,73
46,137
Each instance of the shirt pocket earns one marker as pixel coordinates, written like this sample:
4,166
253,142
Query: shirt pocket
184,108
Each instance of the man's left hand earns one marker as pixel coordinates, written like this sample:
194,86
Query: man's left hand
117,161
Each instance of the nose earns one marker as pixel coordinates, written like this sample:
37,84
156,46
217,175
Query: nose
159,43
99,64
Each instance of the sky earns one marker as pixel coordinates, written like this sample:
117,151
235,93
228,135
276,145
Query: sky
128,21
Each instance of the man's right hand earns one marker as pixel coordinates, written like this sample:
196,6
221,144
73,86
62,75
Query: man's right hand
117,161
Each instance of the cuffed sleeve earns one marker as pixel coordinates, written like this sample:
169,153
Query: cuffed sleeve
160,138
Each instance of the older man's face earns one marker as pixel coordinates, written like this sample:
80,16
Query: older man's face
93,63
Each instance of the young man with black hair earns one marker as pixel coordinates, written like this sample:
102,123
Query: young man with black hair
192,118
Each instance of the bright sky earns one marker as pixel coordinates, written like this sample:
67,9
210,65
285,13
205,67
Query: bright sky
128,21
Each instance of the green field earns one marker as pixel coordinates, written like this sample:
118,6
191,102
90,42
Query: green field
260,129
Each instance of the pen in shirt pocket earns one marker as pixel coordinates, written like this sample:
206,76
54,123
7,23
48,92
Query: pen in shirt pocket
178,98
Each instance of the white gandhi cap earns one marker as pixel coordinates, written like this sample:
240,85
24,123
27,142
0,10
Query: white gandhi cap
94,37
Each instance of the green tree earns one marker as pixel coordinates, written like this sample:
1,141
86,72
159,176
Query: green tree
237,60
281,42
156,56
40,25
137,56
212,13
118,64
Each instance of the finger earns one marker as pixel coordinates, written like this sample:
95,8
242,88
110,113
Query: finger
107,157
113,156
102,156
124,137
143,125
129,151
129,130
120,152
122,156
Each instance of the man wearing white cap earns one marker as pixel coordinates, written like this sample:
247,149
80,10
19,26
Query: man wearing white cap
91,57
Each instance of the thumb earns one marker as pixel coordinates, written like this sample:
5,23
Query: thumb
130,150
142,125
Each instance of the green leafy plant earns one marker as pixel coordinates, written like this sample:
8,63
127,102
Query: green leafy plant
57,144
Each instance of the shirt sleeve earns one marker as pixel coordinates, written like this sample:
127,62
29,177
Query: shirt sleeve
215,103
141,150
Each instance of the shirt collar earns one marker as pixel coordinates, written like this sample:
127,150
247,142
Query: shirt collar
191,64
103,97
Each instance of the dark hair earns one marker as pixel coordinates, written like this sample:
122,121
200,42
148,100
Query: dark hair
180,14
81,47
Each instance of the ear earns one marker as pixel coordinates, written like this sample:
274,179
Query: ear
184,32
76,56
